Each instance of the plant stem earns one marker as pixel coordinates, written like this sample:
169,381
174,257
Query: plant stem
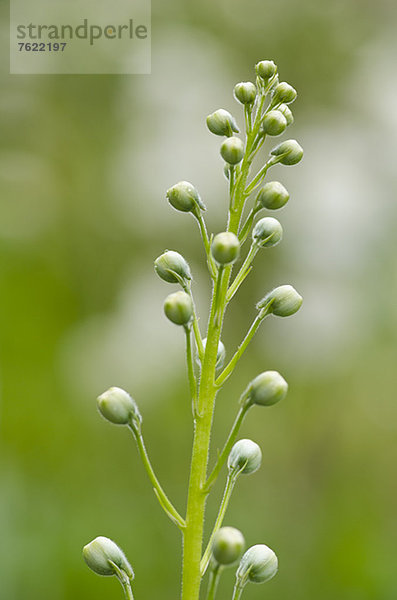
230,483
190,370
197,494
207,245
227,447
160,494
247,225
196,327
215,574
242,274
238,590
127,590
228,370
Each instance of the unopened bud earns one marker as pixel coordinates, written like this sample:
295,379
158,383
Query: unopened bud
272,196
267,232
287,112
184,196
101,553
266,389
266,69
178,307
221,122
283,301
290,152
117,406
258,565
274,123
232,150
225,248
245,92
245,457
228,545
284,93
172,267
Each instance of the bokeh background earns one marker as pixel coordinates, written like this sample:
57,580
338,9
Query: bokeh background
84,165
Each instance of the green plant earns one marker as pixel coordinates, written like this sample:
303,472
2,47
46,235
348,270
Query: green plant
266,114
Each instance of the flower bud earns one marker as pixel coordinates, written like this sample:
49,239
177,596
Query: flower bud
274,123
284,92
172,267
184,196
220,355
266,69
178,307
266,389
228,545
245,457
258,565
272,196
245,92
221,122
225,248
283,301
232,150
267,232
283,108
290,151
101,553
117,406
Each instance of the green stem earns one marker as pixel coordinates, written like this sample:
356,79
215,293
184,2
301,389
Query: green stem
215,574
260,176
158,490
227,447
196,327
242,274
230,483
127,590
193,533
228,370
207,245
248,224
197,495
237,592
190,370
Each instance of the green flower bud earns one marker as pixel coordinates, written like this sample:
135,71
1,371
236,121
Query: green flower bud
101,553
245,92
267,232
266,389
220,355
283,108
184,196
272,196
283,300
290,151
228,545
172,267
274,123
221,122
245,457
266,69
178,307
117,406
284,92
232,150
258,565
225,248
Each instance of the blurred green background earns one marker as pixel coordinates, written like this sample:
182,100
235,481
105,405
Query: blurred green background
84,164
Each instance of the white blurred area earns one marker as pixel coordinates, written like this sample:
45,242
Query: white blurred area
341,212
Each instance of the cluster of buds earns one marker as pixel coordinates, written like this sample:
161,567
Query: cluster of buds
267,113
